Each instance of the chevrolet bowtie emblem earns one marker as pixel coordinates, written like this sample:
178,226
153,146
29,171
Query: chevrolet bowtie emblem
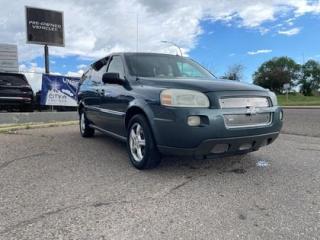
251,110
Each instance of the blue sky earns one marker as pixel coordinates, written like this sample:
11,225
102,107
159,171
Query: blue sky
216,33
222,45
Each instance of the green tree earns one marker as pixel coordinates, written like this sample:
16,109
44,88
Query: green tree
276,72
310,77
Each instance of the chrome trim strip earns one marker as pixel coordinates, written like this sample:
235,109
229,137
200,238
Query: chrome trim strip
243,111
16,98
249,126
122,138
162,120
106,110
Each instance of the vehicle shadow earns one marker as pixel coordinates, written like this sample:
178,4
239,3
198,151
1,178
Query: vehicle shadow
239,164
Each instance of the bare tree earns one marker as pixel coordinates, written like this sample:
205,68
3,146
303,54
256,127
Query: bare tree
235,72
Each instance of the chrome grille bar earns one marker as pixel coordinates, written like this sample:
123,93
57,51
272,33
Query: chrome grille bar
244,102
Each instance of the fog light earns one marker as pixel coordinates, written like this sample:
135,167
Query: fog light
220,148
194,121
245,146
281,115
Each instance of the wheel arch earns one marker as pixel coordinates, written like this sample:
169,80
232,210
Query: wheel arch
134,110
80,107
145,110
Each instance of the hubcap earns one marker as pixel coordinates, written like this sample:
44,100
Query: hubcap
137,142
82,123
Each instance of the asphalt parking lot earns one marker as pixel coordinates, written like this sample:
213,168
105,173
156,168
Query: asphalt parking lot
56,185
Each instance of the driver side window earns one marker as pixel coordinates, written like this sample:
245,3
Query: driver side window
187,70
116,66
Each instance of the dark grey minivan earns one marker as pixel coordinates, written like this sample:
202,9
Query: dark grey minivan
170,105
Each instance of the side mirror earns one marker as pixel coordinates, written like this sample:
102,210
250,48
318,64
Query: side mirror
112,78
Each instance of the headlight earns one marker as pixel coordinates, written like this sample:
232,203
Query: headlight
184,98
274,99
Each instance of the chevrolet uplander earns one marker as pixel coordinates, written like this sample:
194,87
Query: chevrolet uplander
162,104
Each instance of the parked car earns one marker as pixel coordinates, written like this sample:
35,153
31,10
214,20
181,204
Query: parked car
15,92
170,105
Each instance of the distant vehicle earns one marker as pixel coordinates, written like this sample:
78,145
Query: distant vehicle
15,92
170,105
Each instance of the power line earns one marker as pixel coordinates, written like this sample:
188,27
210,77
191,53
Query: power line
31,72
137,33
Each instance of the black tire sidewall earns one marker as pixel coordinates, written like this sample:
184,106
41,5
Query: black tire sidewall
88,131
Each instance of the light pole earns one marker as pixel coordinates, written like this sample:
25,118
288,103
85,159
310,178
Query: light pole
172,43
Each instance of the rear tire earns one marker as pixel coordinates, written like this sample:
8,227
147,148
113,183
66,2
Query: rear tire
85,130
141,146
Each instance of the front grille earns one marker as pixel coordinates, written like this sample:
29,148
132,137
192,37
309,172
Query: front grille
250,115
244,102
242,120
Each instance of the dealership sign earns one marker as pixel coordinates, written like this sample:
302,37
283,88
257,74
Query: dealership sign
59,90
44,26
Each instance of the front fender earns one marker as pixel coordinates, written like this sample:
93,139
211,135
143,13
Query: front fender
146,109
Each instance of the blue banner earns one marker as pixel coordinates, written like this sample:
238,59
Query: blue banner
59,90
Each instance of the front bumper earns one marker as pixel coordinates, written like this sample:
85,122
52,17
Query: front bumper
222,146
175,137
14,101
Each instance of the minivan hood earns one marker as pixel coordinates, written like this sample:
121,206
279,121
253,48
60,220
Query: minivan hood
214,85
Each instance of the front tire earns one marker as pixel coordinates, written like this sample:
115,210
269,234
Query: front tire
85,129
141,146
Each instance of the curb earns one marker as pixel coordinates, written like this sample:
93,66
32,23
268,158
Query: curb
300,107
12,127
18,118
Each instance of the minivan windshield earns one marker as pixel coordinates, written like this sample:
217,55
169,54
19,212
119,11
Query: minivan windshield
165,66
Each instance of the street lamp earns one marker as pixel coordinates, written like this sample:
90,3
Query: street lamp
172,43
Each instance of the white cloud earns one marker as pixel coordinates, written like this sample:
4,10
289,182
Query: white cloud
261,51
33,74
289,32
82,66
75,74
95,29
303,7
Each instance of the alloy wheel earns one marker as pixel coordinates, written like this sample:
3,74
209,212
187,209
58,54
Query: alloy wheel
82,123
137,142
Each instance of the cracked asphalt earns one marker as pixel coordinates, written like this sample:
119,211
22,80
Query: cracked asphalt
56,185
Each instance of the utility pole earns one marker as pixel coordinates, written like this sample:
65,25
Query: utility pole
46,58
137,33
46,63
